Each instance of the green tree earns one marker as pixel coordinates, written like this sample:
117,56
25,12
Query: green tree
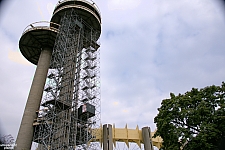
194,120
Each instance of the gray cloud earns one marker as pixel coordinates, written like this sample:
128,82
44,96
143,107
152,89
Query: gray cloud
165,47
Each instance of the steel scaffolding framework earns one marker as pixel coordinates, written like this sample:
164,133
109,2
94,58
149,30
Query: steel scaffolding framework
70,106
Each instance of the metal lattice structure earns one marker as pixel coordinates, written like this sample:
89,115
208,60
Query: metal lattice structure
70,107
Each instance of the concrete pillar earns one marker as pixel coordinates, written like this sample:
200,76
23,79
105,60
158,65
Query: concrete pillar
146,136
110,139
105,137
25,134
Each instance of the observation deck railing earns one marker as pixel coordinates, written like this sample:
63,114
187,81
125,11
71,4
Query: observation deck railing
41,25
90,2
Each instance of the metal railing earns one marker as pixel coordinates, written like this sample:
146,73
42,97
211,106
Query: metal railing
41,25
90,2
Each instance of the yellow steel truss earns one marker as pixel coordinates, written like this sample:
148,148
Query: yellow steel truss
126,135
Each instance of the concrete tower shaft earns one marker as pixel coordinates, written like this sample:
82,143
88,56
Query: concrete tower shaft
25,134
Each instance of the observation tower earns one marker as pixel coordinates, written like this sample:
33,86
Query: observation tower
63,106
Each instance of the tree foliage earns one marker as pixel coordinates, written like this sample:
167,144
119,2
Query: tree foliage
194,120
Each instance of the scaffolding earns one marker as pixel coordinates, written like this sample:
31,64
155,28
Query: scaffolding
70,107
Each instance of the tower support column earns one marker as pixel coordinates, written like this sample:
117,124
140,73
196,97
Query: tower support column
147,139
110,137
107,137
25,134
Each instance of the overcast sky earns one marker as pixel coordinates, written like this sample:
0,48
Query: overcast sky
149,48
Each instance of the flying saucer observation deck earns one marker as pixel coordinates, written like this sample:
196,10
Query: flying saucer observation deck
36,37
87,10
